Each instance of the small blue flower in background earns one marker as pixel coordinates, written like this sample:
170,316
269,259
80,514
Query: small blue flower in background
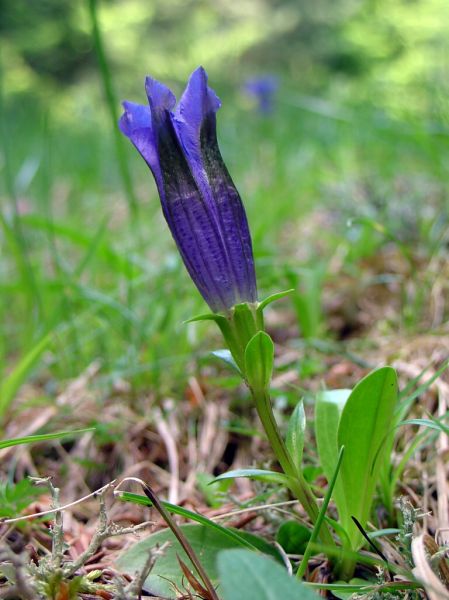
263,90
199,200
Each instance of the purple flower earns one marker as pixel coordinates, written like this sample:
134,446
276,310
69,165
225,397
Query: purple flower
263,89
199,200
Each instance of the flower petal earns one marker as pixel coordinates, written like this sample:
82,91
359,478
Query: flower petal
136,124
194,229
198,198
195,121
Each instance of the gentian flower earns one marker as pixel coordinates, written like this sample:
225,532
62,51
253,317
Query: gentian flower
199,200
263,89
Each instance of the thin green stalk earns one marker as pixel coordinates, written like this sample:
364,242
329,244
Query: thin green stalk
177,532
298,485
316,530
12,228
112,104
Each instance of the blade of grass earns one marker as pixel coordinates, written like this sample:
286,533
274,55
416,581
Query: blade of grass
316,530
31,439
185,544
13,382
112,107
119,262
187,514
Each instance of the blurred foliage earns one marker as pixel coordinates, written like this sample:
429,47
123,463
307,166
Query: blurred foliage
359,128
46,37
392,53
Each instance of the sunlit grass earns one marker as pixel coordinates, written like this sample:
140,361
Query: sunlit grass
107,287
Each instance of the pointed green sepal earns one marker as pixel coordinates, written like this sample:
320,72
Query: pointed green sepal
295,434
205,317
225,355
244,322
262,305
259,358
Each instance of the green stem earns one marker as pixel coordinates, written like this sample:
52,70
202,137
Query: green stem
316,530
112,108
347,563
298,485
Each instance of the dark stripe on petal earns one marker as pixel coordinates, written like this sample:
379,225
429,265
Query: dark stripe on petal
186,213
199,201
231,212
195,123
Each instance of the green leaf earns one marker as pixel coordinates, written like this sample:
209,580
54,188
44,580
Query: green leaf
293,537
407,397
15,497
174,509
258,474
119,261
329,406
205,317
166,573
226,356
362,584
13,382
214,496
364,424
273,298
248,576
42,438
307,299
295,434
320,519
259,356
244,322
432,423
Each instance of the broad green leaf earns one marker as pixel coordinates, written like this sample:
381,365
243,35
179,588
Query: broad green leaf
295,434
246,575
364,424
293,537
362,584
258,474
11,384
329,406
259,356
166,574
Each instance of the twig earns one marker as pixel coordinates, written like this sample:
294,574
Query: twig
241,511
177,532
172,453
441,462
51,511
57,550
104,531
134,589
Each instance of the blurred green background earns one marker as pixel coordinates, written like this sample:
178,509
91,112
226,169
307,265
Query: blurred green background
359,130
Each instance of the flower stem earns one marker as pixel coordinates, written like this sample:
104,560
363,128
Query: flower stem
298,484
